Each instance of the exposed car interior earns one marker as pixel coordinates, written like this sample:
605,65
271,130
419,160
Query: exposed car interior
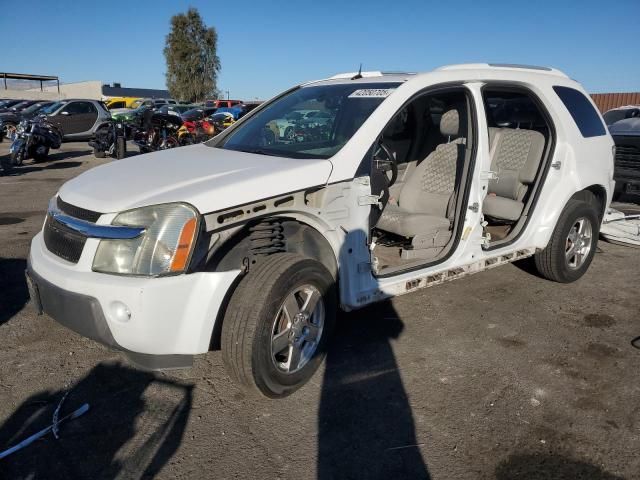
424,154
519,140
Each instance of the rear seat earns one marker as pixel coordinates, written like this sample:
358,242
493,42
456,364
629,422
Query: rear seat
515,157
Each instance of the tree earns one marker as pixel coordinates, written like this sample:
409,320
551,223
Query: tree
192,60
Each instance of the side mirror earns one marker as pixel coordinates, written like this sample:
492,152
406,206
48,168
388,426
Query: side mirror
65,113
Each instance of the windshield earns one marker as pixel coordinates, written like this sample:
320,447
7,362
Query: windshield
53,107
10,103
21,105
33,108
310,122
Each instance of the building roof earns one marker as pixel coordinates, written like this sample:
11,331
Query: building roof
26,76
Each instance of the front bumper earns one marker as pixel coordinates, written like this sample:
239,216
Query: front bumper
171,318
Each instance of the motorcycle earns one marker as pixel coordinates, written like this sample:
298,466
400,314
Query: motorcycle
159,132
33,139
197,131
111,139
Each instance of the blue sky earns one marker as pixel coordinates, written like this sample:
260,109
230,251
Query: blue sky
266,46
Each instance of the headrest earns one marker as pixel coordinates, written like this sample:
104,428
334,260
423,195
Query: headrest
450,123
523,118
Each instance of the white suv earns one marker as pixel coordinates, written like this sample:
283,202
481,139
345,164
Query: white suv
251,242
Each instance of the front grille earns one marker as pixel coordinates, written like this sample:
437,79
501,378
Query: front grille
628,157
62,241
77,212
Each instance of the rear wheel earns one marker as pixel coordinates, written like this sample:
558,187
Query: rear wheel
618,191
277,324
121,148
6,166
99,153
573,243
39,153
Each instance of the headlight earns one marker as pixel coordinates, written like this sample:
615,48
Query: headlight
164,247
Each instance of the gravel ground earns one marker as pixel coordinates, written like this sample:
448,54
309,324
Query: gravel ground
499,375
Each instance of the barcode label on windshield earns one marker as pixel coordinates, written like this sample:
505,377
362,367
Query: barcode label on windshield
372,93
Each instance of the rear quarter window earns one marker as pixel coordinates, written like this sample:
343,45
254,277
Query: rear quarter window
582,112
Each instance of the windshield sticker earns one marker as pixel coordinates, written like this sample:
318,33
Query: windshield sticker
372,93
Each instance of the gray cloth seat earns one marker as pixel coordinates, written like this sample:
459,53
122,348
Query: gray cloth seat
425,204
515,157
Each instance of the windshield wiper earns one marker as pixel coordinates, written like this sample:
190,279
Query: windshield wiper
257,151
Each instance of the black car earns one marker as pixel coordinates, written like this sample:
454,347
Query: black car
198,114
626,135
9,120
5,105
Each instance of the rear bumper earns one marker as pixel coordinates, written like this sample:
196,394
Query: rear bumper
171,318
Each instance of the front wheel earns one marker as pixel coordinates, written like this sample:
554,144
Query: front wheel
573,243
17,157
8,129
277,324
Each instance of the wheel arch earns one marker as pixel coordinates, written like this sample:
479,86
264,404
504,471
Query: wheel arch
237,251
594,194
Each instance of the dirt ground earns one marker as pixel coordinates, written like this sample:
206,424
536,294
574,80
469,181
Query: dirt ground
499,375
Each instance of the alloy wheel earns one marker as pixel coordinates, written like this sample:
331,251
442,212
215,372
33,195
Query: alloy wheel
578,243
297,329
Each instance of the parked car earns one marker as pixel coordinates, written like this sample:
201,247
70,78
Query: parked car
144,102
252,243
198,113
6,105
130,115
221,103
10,120
620,113
122,102
177,110
626,135
77,119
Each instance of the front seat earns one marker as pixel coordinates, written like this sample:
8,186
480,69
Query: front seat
425,207
515,157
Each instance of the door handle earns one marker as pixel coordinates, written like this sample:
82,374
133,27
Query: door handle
556,165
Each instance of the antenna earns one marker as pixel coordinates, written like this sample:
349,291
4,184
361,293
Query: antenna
358,75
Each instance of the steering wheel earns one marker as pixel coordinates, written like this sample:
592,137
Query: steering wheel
386,164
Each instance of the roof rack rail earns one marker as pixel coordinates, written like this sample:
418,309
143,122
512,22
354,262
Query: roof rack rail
514,66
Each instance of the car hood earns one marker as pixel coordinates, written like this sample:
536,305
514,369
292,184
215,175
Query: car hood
626,127
208,178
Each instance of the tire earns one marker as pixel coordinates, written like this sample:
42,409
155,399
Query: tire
40,157
289,134
555,261
256,312
6,166
121,148
99,153
7,130
617,191
17,158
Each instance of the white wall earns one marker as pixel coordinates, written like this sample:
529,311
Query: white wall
91,89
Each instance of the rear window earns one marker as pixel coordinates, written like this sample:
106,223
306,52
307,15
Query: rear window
583,113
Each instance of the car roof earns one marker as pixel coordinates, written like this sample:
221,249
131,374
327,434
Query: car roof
623,107
466,71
